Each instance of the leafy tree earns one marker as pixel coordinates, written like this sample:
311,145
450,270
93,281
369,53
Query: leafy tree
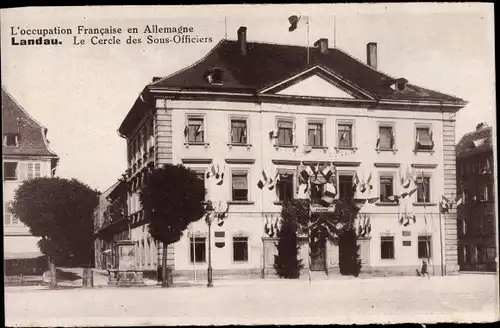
286,263
60,212
171,198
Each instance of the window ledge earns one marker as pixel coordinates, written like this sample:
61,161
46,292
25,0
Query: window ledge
338,149
286,146
232,144
187,144
416,150
240,202
386,204
278,202
424,204
379,150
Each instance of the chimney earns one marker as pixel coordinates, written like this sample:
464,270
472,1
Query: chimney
156,78
481,125
242,39
322,44
371,54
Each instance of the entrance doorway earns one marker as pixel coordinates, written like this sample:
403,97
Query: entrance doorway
349,258
318,256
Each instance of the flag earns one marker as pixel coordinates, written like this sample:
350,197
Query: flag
213,170
186,131
393,139
273,134
296,21
355,182
407,194
327,172
329,195
220,176
262,182
307,149
266,228
199,129
378,141
272,183
368,182
459,201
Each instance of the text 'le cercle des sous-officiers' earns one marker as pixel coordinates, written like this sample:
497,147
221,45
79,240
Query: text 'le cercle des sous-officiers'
106,35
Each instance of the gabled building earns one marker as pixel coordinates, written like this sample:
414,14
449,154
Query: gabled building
248,107
25,155
476,216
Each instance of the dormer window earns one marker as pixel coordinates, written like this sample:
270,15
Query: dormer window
399,84
11,139
214,76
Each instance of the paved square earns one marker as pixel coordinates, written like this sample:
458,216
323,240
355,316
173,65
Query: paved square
398,299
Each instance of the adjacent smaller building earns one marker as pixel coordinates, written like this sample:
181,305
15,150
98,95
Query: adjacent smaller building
476,216
25,155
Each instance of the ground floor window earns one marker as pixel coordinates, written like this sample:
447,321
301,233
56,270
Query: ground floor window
424,247
387,247
198,249
240,249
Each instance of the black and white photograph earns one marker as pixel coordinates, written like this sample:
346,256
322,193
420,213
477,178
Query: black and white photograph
249,164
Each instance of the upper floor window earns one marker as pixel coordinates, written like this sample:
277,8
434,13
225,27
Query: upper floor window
423,189
317,192
11,139
239,131
315,134
386,138
424,140
240,186
8,217
285,132
490,192
386,187
285,187
482,193
10,171
345,135
195,130
346,191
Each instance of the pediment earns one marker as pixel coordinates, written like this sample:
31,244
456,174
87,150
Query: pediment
317,82
315,86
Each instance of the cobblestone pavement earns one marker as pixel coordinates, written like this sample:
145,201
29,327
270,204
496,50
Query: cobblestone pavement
399,299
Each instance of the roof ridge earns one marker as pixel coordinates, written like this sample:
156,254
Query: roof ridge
190,66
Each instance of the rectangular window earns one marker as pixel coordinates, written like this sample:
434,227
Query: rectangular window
195,129
240,186
316,192
8,217
423,189
424,139
387,247
197,249
11,139
201,176
386,188
346,191
481,193
386,138
239,131
345,136
10,171
240,249
424,247
315,134
285,187
285,133
490,194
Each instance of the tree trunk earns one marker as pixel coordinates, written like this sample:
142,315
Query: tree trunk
53,280
166,280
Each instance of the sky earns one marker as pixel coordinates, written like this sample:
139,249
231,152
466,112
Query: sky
82,93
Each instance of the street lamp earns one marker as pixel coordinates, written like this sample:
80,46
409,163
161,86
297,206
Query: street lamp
208,219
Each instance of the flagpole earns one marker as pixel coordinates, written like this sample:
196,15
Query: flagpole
307,23
194,252
334,32
427,241
441,242
225,27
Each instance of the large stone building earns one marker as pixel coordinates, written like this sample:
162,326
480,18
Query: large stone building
25,155
476,216
249,106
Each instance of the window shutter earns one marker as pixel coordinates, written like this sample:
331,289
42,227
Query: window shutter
21,171
37,170
424,137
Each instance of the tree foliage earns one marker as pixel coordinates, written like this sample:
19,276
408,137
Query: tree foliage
286,263
172,198
60,211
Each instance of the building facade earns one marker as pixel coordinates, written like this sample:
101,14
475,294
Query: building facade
248,107
25,155
476,216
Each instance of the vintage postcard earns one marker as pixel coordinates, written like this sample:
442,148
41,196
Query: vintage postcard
249,164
